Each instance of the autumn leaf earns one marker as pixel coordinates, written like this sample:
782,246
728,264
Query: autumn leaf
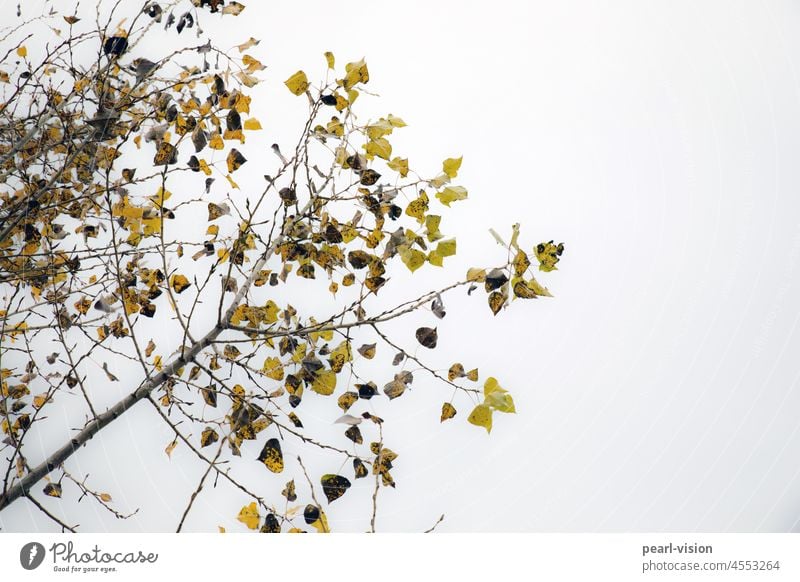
297,83
355,73
481,415
427,336
289,491
54,489
235,160
324,383
272,456
273,368
452,194
208,437
360,468
166,154
455,371
233,8
249,515
179,283
399,165
334,486
548,255
451,166
448,412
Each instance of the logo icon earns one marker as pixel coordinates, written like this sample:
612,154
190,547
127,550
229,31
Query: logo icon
31,555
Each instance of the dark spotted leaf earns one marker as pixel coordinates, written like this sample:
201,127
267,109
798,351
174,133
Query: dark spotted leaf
496,301
334,486
354,434
53,489
360,468
272,456
209,395
311,514
179,283
347,400
495,279
289,491
209,437
235,160
448,411
369,177
165,155
358,259
271,524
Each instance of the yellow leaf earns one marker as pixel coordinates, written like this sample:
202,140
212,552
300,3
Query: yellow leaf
491,385
252,124
297,83
501,401
324,383
451,194
330,59
179,283
399,165
481,415
412,258
22,52
216,143
455,371
249,515
417,208
446,248
40,400
451,165
395,121
273,368
105,497
231,182
473,375
432,223
521,263
252,64
548,254
448,412
340,356
355,73
379,147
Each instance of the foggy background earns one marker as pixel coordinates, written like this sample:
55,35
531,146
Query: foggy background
657,389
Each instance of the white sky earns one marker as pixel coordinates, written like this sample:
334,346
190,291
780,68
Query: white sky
659,141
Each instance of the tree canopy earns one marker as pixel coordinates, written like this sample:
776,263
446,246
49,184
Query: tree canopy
144,258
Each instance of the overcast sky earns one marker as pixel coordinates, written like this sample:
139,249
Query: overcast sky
659,141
